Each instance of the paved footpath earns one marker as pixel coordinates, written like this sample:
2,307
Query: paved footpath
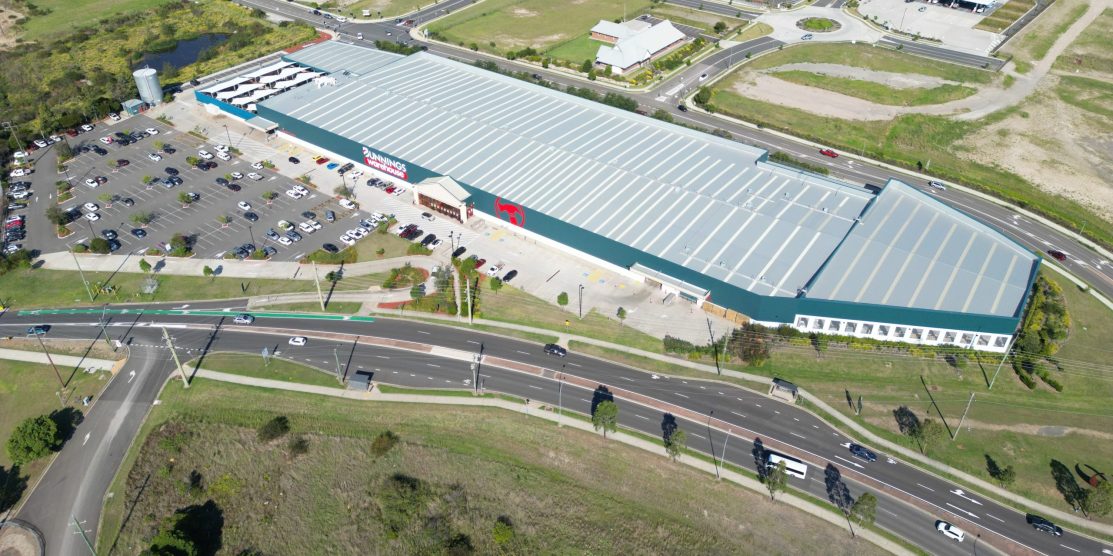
543,411
64,360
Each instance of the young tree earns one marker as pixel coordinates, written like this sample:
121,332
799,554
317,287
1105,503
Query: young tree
605,417
1007,475
776,479
621,314
207,272
56,215
269,196
105,198
333,276
703,96
224,220
184,198
720,26
1099,501
930,434
144,266
141,218
148,179
495,284
864,509
34,438
562,299
99,245
675,443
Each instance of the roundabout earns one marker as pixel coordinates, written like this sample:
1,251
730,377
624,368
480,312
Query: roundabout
818,25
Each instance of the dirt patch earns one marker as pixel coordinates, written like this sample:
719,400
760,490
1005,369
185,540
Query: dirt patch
8,30
887,78
522,12
536,42
17,541
817,101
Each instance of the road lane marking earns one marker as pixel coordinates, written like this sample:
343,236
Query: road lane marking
535,387
473,342
796,435
522,352
681,395
383,356
795,419
573,365
922,486
626,378
423,332
888,512
433,365
641,416
995,517
969,513
86,438
757,404
698,436
738,414
1070,548
854,463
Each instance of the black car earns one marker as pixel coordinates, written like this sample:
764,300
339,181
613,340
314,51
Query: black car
294,236
128,202
309,214
169,150
425,241
249,247
172,171
862,452
510,276
113,246
330,248
108,234
233,187
459,251
294,160
99,150
269,251
251,216
1043,525
553,349
39,329
221,181
239,253
139,232
122,162
120,135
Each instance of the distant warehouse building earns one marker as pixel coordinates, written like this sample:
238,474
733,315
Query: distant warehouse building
707,219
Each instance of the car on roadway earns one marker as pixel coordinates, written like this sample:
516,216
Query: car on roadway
950,531
555,350
807,37
862,452
1057,255
681,107
937,185
829,152
1043,525
154,157
703,77
38,330
243,318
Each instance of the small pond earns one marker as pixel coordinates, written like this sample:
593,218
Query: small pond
182,54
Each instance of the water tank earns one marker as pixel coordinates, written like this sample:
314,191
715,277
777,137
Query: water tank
150,91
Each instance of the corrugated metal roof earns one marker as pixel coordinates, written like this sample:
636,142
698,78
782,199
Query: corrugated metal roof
336,57
912,251
709,204
640,46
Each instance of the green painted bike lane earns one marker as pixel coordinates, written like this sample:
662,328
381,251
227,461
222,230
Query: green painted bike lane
186,312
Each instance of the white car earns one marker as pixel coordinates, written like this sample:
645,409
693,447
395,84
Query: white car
356,175
436,243
284,225
401,228
257,165
106,140
221,148
91,182
348,204
298,341
937,185
92,216
92,207
223,156
347,240
40,143
294,194
115,117
86,127
19,155
236,175
20,195
243,319
950,531
55,139
154,156
255,176
358,233
205,154
19,172
244,205
703,77
398,191
151,131
301,189
316,225
492,271
306,227
285,241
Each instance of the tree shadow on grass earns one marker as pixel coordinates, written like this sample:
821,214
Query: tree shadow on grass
12,486
204,524
1066,484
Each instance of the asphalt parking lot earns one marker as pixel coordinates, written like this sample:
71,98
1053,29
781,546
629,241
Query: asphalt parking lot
199,219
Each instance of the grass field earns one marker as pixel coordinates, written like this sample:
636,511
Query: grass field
1033,42
277,369
367,249
499,26
695,18
29,390
877,92
1004,16
66,15
754,31
869,57
1091,56
342,307
563,491
576,50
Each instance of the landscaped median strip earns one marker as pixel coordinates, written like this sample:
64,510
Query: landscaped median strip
788,498
187,312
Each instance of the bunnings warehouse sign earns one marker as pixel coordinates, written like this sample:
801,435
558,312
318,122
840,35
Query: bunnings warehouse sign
384,163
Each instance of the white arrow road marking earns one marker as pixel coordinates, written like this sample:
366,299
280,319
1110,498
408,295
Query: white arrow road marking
131,376
959,492
86,438
855,464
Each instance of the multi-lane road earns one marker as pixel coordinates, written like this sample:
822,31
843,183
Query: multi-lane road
1081,261
910,499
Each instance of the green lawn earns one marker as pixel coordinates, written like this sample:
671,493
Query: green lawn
876,92
393,246
55,288
66,15
1033,42
755,30
343,307
29,390
576,50
499,26
819,24
870,57
563,490
1004,16
277,369
513,305
695,18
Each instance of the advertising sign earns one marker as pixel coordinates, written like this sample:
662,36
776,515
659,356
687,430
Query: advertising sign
384,164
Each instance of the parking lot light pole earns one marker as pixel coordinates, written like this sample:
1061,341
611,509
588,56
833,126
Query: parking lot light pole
229,133
251,235
581,301
711,441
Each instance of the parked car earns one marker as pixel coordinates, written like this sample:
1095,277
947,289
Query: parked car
224,156
459,251
236,175
122,162
294,160
255,176
428,216
348,204
151,131
139,232
205,154
330,248
257,165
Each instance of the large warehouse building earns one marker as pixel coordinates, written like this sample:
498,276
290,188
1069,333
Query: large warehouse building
707,218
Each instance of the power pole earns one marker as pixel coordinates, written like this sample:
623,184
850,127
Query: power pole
82,273
317,280
51,360
560,398
968,404
80,529
1003,358
339,375
104,324
714,347
467,283
174,353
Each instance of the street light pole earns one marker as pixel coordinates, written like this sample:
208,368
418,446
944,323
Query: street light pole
103,324
174,353
11,129
229,133
51,360
711,441
82,274
560,398
581,301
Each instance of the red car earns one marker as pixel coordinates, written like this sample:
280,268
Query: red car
829,152
322,160
71,132
1057,255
